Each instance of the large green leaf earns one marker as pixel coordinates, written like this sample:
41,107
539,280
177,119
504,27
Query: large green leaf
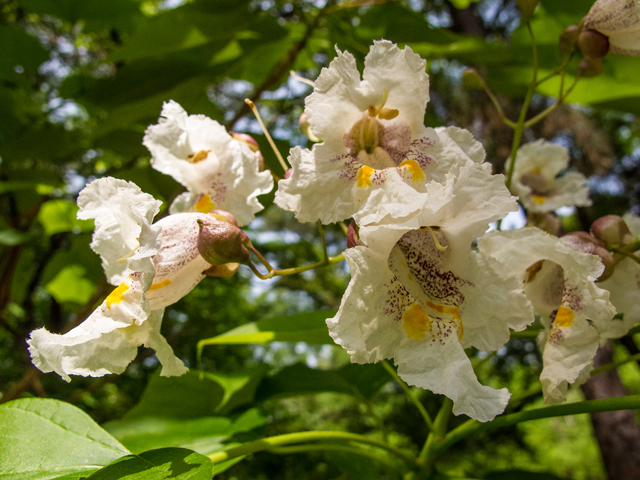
360,381
520,475
164,463
205,434
60,216
71,285
44,438
304,327
197,394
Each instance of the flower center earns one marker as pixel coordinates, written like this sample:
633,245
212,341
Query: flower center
198,156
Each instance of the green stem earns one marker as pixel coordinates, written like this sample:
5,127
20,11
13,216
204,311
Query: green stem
613,365
626,254
409,393
301,437
331,446
437,435
589,406
324,242
495,102
291,271
547,111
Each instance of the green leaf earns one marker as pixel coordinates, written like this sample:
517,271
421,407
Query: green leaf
71,285
304,327
197,394
164,463
355,465
25,50
60,216
203,434
360,381
520,475
44,438
11,237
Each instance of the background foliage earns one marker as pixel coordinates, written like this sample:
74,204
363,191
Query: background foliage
79,82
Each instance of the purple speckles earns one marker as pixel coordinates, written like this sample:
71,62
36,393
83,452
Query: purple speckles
418,151
217,189
398,298
571,297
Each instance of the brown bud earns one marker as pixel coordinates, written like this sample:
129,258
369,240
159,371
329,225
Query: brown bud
224,216
471,78
593,44
305,127
590,67
527,7
247,140
568,39
583,242
221,242
613,231
548,222
352,235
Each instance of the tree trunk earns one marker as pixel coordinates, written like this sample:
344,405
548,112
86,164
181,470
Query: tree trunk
617,433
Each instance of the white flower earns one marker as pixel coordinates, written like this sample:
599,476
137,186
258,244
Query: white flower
624,287
376,155
218,171
560,283
537,181
153,265
420,296
619,20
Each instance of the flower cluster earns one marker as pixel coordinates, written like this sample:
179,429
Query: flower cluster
153,265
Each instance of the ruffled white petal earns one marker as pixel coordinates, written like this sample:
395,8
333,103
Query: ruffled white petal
444,368
107,341
624,288
123,216
199,153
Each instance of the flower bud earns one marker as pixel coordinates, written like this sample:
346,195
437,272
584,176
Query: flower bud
548,222
471,78
613,231
352,235
221,242
583,242
568,39
527,7
305,127
224,216
590,67
247,140
593,44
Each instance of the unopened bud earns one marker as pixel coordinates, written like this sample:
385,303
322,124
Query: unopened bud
527,7
352,235
613,231
548,222
288,173
305,127
583,242
224,216
221,242
247,140
590,67
593,44
471,79
226,270
568,39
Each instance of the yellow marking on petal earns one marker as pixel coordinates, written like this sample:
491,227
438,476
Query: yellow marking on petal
161,284
364,176
450,310
198,156
413,167
116,295
205,204
539,199
416,322
564,317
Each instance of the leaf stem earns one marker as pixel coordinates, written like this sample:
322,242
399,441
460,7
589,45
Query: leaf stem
409,393
331,446
303,437
437,435
588,406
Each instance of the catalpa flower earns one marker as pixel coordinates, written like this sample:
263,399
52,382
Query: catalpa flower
218,171
538,180
420,296
376,155
560,284
153,266
619,20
